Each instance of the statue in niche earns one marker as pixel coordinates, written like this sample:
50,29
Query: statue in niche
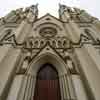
64,44
31,12
54,44
60,44
62,9
31,43
36,43
34,9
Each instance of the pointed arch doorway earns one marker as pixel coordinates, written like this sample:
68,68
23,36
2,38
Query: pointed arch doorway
47,84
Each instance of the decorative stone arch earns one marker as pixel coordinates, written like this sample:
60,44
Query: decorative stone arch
65,78
47,58
34,67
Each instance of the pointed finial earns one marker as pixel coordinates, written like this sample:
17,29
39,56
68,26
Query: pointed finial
37,4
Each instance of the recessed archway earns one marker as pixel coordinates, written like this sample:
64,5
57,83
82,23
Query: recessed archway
47,83
56,65
51,58
47,72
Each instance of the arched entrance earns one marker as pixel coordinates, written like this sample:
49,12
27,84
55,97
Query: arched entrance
38,65
47,84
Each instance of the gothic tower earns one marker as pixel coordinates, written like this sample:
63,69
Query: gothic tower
49,58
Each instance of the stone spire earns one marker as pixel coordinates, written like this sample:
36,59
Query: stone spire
64,12
32,11
16,16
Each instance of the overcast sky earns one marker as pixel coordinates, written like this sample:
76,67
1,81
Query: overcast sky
51,6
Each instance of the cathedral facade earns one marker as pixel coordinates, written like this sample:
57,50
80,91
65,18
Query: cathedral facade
49,58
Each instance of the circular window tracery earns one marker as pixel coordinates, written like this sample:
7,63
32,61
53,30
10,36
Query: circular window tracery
48,32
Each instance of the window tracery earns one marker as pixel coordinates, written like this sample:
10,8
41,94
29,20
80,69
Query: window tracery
54,43
42,43
48,32
64,43
59,43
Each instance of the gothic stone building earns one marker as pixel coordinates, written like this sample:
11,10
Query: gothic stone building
49,58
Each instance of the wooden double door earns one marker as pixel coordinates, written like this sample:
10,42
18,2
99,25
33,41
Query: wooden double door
47,84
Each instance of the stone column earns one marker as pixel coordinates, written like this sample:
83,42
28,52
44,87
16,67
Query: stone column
71,88
15,88
27,92
79,88
8,68
90,69
22,91
69,32
33,87
61,88
23,30
64,88
76,81
73,31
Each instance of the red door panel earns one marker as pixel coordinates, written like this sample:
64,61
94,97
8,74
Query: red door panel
47,90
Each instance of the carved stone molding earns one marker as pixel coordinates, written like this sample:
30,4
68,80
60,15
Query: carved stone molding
57,42
48,32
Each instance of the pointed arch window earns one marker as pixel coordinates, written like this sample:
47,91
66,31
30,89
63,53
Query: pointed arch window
47,85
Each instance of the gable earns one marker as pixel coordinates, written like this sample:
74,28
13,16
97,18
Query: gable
49,18
48,21
46,50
